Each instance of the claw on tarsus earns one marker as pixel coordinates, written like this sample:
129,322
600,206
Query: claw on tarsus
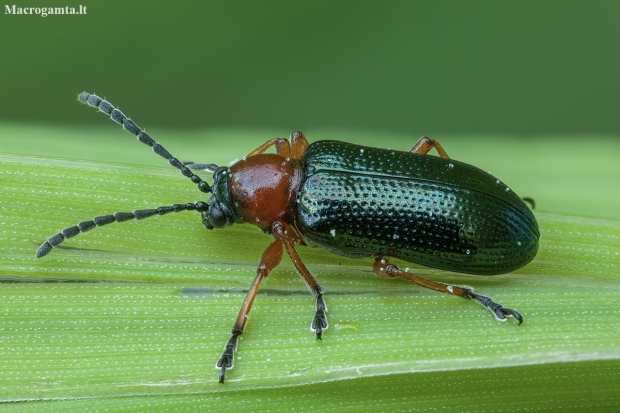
319,323
227,360
498,310
224,363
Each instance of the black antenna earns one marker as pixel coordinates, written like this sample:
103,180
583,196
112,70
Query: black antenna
118,117
84,226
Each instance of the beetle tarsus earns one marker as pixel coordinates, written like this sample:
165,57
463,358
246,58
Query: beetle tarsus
319,323
227,360
498,310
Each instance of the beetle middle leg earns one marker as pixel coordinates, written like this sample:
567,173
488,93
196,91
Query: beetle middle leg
289,239
425,145
386,270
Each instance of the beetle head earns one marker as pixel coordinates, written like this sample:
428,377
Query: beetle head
220,209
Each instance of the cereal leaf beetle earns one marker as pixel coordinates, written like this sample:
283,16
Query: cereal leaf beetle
355,201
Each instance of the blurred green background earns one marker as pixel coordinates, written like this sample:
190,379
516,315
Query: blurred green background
418,68
543,74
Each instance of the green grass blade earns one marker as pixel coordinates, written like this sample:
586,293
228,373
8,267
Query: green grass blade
170,292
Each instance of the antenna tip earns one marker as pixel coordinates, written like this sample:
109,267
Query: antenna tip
83,97
44,249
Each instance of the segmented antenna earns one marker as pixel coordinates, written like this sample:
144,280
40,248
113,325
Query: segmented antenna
70,232
118,117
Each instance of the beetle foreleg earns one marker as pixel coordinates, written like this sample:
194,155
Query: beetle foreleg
269,260
425,145
386,270
289,239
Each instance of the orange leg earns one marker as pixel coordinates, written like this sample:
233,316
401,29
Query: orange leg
285,237
269,260
425,145
289,239
293,148
283,147
386,270
299,144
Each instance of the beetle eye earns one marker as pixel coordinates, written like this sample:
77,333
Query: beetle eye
220,215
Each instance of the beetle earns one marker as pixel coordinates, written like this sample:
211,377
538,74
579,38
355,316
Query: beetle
354,201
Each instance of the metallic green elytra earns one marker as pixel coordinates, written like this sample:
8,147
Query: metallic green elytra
360,201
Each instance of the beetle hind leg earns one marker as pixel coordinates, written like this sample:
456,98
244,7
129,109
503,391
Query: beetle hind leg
424,146
386,270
